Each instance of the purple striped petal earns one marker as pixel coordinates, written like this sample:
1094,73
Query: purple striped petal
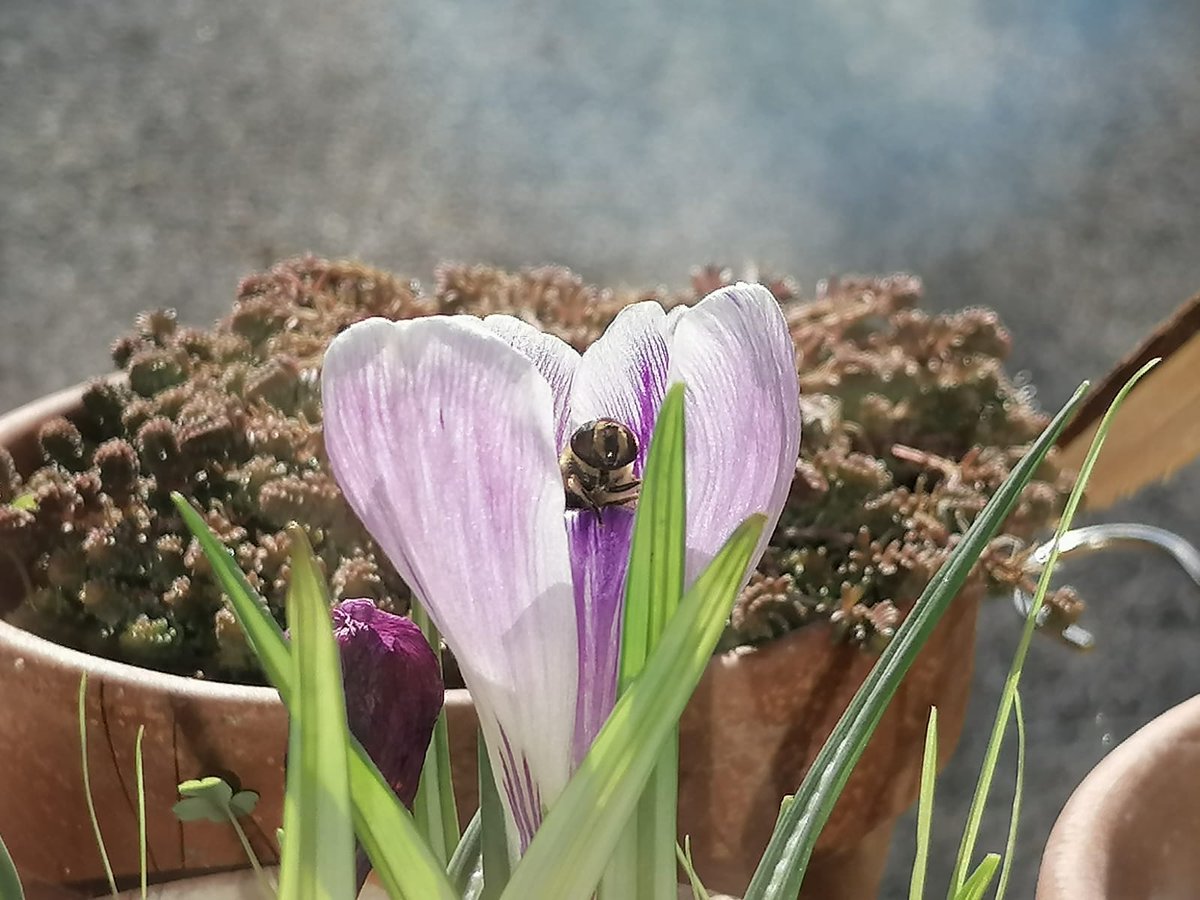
735,356
442,437
623,375
599,559
553,357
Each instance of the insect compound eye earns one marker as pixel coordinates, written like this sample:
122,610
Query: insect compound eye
604,444
618,444
623,444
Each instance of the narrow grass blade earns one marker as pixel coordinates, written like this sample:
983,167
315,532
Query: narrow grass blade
140,775
684,855
87,784
10,882
434,808
1015,817
916,888
260,628
318,857
577,837
643,864
781,870
654,582
494,842
975,886
1004,710
403,861
467,855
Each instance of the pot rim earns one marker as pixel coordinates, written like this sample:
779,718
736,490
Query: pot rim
24,646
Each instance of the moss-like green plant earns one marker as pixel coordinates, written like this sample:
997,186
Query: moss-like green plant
910,426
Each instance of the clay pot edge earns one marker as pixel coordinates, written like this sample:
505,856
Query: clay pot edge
1076,855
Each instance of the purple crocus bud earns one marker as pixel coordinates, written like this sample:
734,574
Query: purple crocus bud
393,690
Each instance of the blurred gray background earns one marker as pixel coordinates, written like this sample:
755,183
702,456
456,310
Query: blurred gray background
1037,158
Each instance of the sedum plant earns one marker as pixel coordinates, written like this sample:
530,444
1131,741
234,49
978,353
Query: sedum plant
911,425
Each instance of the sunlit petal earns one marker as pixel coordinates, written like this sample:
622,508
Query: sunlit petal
735,356
623,375
553,357
442,437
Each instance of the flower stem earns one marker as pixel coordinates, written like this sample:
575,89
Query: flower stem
267,886
644,864
496,869
141,800
434,809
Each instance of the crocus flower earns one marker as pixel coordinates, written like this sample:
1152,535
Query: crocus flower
394,693
445,434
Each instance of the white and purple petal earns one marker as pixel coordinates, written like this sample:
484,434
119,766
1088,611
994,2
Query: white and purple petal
553,357
599,560
442,438
623,375
736,359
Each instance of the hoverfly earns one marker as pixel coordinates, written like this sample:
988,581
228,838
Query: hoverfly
597,466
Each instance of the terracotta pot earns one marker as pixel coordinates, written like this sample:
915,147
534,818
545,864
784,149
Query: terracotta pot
1132,828
754,726
193,728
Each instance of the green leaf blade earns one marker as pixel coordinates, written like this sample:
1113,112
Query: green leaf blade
684,855
977,884
654,581
966,847
262,631
434,808
644,863
403,861
87,784
467,855
781,870
318,857
10,882
1014,816
929,760
140,778
494,841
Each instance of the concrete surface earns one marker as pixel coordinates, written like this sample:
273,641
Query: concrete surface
1037,158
